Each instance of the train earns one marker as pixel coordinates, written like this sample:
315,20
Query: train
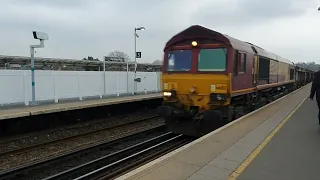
210,79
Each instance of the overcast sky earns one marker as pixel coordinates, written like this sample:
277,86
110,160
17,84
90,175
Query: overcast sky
78,28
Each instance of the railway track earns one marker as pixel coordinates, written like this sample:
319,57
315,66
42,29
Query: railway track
18,143
114,164
35,152
36,145
92,162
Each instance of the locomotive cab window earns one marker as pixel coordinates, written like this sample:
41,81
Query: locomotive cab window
179,60
212,59
243,62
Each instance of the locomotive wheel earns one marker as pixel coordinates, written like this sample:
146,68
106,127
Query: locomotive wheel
238,112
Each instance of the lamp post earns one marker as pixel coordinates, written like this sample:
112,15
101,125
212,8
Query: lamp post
42,36
104,76
135,56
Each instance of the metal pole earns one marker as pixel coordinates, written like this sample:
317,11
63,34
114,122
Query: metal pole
135,60
128,76
33,83
104,76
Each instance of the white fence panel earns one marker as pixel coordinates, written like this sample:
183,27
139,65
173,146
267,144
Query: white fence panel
66,84
57,85
90,84
45,88
148,81
12,87
112,82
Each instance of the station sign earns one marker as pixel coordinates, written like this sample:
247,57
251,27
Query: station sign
138,54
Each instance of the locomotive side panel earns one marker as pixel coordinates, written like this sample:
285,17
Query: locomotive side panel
242,78
273,75
297,76
284,72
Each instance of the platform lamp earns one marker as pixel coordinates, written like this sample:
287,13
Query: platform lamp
135,56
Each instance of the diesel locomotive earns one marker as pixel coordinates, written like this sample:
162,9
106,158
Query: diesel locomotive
210,79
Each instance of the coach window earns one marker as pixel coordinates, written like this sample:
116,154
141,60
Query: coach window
212,59
243,62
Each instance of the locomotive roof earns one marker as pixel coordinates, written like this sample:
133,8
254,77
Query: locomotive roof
197,31
265,53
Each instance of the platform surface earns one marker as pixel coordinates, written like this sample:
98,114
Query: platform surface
293,152
220,155
58,107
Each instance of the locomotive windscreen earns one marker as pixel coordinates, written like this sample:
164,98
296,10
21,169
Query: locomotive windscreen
212,59
179,60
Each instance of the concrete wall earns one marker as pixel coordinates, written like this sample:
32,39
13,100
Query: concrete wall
55,86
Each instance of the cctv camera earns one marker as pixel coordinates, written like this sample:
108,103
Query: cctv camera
40,35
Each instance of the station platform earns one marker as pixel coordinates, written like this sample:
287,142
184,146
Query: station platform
227,153
290,154
67,106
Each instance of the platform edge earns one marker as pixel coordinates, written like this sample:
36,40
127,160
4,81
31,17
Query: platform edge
32,112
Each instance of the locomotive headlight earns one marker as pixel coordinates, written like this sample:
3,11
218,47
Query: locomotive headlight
167,94
194,43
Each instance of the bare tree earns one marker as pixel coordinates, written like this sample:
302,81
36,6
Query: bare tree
310,65
157,62
120,55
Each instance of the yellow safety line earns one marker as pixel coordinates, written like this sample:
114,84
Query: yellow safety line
254,154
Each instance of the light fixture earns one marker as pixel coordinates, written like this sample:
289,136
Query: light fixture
194,43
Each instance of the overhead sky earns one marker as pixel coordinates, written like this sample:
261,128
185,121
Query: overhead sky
81,28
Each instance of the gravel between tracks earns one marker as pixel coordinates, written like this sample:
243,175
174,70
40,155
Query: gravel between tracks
54,149
85,157
10,144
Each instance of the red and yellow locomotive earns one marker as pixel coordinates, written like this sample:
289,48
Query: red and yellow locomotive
209,79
